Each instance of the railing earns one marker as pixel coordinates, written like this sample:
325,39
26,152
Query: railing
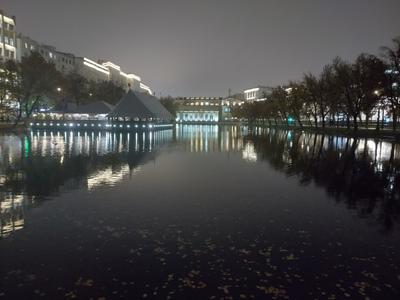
98,125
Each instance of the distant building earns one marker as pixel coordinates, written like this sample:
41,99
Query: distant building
118,77
145,88
238,97
65,63
258,93
8,47
205,109
91,70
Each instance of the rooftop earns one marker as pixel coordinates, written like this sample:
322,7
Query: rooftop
140,105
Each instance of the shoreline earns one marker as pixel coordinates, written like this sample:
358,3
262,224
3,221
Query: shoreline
386,134
9,128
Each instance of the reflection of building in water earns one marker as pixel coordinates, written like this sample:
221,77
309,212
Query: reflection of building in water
110,176
45,163
11,214
249,152
10,149
128,149
210,138
72,143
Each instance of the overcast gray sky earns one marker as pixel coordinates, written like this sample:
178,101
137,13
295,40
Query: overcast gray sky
205,47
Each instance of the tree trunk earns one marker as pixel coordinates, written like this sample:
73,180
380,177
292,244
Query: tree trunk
19,116
300,123
323,122
360,120
378,119
355,123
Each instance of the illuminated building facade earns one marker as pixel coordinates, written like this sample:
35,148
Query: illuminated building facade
258,93
92,70
8,47
205,109
120,78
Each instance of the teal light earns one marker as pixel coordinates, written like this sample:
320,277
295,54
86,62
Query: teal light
290,119
27,147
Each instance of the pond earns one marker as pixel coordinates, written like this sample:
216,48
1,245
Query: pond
199,212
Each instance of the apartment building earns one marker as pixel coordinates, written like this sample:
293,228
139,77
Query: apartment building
100,70
7,37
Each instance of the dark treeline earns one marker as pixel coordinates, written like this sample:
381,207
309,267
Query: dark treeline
170,104
344,94
363,175
34,83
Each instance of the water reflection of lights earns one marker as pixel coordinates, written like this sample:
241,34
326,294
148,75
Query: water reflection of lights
20,157
78,143
11,214
209,138
249,152
109,177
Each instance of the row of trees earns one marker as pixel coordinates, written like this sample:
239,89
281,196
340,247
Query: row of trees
344,93
170,104
34,83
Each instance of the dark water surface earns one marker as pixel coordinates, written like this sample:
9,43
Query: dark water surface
199,213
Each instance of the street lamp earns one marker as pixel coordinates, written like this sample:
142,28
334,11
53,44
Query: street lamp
59,89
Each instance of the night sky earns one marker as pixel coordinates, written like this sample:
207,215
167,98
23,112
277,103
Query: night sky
205,47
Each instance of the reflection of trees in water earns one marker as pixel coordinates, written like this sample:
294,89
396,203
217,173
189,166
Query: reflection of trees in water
38,166
362,173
